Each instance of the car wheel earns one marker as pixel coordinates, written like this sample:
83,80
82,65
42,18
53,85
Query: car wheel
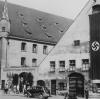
46,97
40,96
28,94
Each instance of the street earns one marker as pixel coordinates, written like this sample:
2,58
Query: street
20,96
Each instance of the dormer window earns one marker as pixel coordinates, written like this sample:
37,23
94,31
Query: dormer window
3,29
77,43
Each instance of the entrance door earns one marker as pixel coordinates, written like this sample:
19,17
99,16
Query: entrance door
3,84
76,85
53,87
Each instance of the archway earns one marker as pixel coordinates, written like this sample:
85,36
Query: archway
26,79
41,83
22,80
76,84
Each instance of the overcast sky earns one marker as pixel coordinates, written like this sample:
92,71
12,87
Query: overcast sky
65,8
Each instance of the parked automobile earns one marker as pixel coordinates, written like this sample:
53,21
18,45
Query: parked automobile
62,92
37,92
98,90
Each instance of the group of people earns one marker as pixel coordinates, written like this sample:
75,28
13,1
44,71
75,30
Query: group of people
16,89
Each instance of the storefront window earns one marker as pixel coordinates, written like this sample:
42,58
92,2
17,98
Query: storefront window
62,86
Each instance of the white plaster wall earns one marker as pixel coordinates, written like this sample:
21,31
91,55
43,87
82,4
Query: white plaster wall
64,57
79,30
14,53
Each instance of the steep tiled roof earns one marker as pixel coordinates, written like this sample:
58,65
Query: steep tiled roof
35,25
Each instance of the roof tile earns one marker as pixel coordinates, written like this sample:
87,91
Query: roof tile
32,24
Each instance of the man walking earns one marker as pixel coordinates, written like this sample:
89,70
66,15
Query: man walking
86,93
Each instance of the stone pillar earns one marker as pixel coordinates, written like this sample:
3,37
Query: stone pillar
3,58
4,53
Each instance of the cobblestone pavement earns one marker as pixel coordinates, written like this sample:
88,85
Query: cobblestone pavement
20,96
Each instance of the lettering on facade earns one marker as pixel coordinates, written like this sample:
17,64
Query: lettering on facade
18,69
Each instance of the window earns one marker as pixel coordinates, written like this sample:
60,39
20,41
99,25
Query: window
61,65
85,64
34,48
61,86
3,29
23,61
52,66
34,62
45,51
77,43
23,46
72,64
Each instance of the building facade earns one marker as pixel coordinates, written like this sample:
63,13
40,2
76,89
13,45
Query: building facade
75,53
64,61
18,54
23,56
25,41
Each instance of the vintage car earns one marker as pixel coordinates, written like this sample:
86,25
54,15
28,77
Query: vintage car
37,92
62,92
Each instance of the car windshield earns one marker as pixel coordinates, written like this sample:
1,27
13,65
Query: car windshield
37,88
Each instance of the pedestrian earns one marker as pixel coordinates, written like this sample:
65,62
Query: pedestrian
86,93
66,94
6,89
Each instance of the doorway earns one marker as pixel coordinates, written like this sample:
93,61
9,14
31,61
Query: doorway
76,84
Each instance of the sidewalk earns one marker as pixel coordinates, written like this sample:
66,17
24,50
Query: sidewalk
91,96
61,97
1,92
10,94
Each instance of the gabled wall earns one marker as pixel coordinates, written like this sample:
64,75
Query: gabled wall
79,30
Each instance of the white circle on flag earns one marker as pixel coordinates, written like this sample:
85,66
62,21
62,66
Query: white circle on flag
95,46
